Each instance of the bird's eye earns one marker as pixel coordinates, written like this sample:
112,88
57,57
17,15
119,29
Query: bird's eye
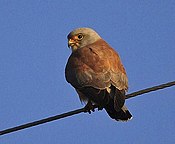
80,36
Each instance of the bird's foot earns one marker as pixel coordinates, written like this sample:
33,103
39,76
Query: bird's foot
100,108
89,107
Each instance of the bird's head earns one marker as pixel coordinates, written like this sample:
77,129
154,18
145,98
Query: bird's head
81,37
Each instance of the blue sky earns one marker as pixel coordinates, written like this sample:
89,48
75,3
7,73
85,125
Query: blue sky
33,55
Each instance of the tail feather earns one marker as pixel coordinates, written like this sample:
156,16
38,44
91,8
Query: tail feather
122,115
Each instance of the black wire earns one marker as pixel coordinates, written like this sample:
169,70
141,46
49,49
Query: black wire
31,124
42,121
147,90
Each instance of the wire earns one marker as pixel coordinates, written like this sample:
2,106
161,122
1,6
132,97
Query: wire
31,124
42,121
147,90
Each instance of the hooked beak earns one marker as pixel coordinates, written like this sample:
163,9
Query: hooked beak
71,42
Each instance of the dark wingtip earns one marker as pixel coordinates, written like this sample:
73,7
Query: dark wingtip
124,116
120,115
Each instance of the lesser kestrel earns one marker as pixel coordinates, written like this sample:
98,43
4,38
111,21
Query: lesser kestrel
95,70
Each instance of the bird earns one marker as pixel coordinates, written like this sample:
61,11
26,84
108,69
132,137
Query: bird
96,72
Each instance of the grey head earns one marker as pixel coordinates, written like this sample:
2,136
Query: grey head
81,37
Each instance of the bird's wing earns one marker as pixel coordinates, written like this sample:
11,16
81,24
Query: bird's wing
96,65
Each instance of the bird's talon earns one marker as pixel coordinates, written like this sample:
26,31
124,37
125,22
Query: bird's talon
100,108
89,107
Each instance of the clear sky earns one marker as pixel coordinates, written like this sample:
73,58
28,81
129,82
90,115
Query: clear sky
34,52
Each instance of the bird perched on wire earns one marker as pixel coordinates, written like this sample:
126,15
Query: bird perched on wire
95,70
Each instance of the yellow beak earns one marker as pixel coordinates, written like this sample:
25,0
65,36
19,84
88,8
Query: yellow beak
71,42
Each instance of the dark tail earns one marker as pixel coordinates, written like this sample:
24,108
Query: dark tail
115,107
122,115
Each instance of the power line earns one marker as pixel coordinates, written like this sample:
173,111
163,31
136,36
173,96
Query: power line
42,121
147,90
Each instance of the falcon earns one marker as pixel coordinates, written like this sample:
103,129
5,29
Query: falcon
96,72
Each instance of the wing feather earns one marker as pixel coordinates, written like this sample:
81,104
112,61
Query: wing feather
96,65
